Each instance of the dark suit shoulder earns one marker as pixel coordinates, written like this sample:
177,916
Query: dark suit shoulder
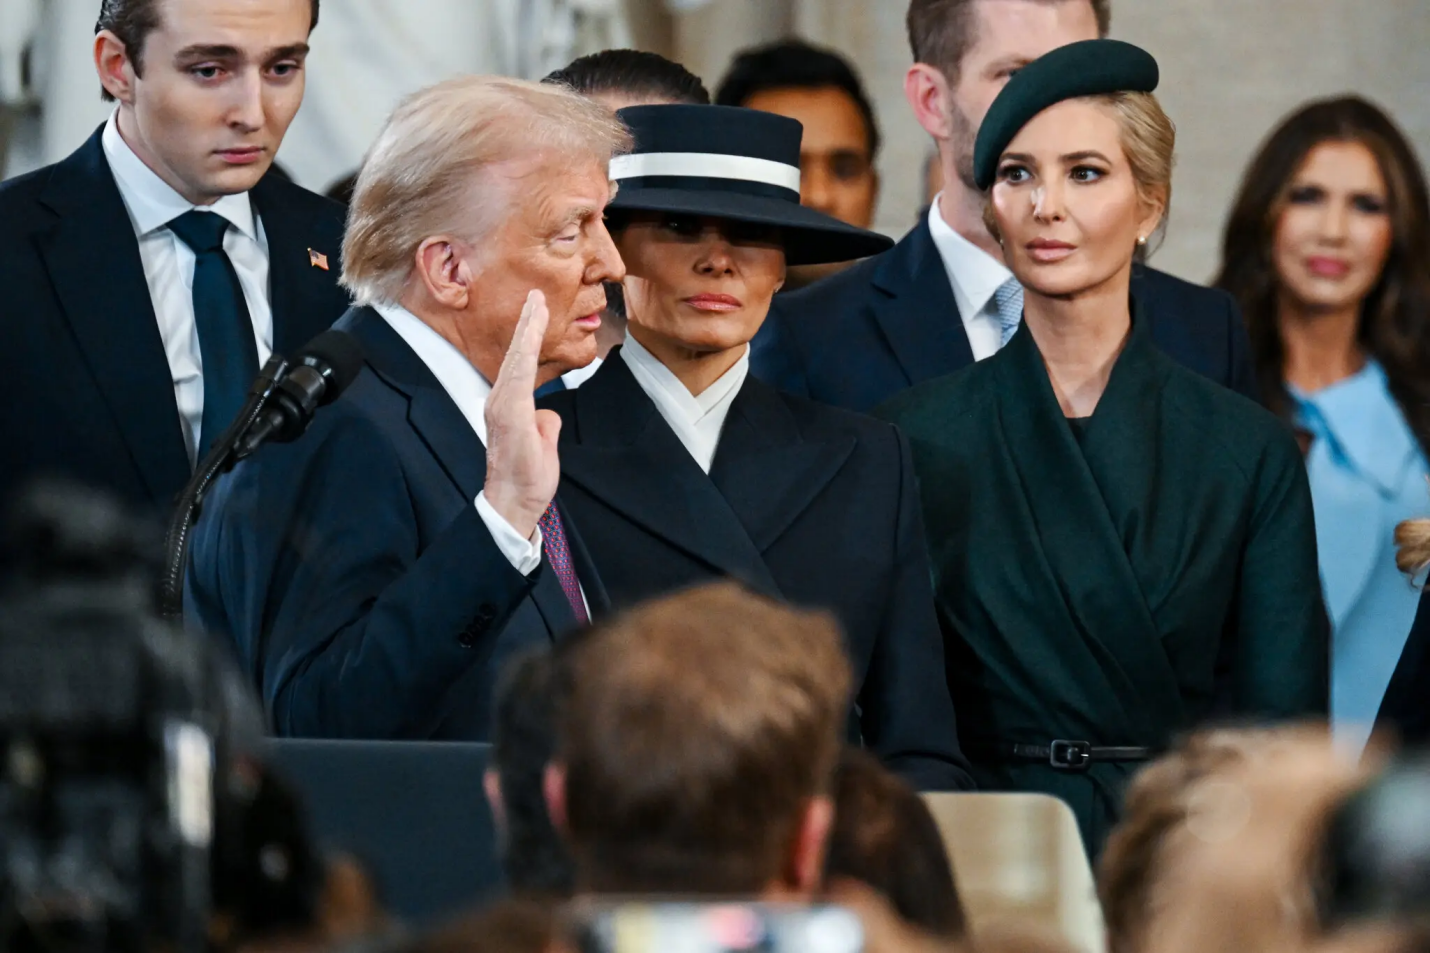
23,189
23,216
816,419
828,298
1159,285
283,201
925,411
876,441
354,432
20,206
305,201
1254,439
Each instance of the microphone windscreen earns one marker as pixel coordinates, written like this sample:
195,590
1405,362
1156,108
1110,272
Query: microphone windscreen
338,355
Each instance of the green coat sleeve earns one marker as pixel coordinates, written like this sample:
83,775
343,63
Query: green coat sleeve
1280,626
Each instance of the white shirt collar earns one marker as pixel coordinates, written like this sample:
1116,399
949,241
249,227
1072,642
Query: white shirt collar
694,409
974,274
463,383
697,421
574,379
152,202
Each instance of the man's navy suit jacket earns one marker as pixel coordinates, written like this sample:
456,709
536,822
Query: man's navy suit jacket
353,574
861,336
85,386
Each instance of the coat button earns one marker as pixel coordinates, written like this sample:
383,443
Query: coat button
467,639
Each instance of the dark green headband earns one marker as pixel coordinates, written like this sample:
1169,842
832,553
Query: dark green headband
1087,68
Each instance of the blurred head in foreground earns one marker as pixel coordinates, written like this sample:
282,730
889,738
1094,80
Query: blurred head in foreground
534,857
885,837
697,748
1219,843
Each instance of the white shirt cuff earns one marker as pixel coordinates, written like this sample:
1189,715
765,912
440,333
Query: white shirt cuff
523,554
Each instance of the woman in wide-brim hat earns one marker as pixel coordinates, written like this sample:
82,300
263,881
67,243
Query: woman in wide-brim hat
680,468
1123,548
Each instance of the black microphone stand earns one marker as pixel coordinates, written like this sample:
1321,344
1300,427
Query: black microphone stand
225,453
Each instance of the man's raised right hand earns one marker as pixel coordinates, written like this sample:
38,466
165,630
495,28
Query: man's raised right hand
523,468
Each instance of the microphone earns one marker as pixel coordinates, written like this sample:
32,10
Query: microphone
280,407
321,372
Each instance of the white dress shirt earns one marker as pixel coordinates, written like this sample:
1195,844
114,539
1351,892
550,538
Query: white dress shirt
169,270
697,421
975,275
469,390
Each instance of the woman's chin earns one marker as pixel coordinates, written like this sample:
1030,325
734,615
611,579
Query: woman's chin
707,345
1051,283
719,334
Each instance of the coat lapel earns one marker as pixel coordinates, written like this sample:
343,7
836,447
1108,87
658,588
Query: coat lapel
298,291
1362,458
623,453
766,471
1064,485
442,427
915,310
93,260
431,412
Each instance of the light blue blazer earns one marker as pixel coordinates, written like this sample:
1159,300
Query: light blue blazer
1367,473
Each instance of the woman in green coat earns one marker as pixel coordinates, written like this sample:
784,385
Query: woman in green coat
1121,548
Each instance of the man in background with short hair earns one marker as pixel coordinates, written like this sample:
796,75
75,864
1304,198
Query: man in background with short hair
943,298
149,275
697,748
621,78
821,90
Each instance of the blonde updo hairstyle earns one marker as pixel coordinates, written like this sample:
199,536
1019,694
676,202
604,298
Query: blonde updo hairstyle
1149,139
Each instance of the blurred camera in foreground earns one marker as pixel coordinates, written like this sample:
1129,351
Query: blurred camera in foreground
133,811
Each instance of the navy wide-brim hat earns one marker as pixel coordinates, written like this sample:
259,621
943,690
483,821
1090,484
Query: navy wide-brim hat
731,163
1085,68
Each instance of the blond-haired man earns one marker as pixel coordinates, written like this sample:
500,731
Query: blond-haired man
375,574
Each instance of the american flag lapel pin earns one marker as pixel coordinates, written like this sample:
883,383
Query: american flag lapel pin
317,259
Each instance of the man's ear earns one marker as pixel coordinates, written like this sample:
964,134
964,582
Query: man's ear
116,70
811,840
926,89
553,787
443,269
491,784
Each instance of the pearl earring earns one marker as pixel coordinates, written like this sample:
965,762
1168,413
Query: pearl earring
1141,239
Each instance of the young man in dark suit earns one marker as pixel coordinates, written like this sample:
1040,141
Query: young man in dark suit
942,298
150,274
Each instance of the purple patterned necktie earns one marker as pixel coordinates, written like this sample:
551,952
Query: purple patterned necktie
553,540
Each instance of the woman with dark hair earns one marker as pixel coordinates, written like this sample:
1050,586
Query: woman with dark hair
682,468
1328,252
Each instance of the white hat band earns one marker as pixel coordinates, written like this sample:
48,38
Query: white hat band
705,165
